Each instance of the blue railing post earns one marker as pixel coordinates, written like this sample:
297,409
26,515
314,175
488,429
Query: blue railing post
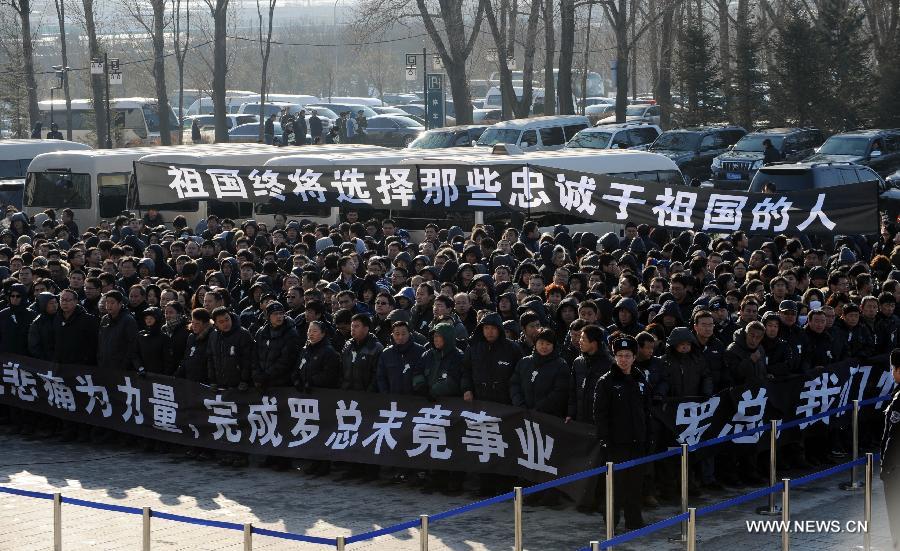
854,484
786,514
772,509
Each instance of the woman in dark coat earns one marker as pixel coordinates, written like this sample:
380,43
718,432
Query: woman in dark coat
319,367
541,380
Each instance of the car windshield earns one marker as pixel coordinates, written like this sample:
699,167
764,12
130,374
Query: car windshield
406,122
845,145
635,111
590,140
434,140
493,136
677,141
367,111
322,112
754,143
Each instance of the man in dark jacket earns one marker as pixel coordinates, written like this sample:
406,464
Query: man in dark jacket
487,367
277,347
541,380
360,356
711,347
890,454
315,128
745,358
195,365
625,318
15,321
151,354
400,365
300,128
685,371
770,154
269,130
592,364
117,342
40,334
74,332
622,418
230,360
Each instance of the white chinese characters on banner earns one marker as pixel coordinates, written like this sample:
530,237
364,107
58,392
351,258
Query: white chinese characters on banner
724,212
165,408
263,420
817,396
58,394
382,429
483,435
23,382
696,418
675,210
227,183
222,417
430,433
303,410
749,415
395,186
187,183
625,199
351,187
483,187
132,402
528,189
96,394
307,186
536,447
267,183
577,196
439,185
349,420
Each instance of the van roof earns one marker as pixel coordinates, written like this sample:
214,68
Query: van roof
376,155
228,155
121,160
87,104
540,122
27,149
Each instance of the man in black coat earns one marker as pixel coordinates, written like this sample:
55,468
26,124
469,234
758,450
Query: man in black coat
315,128
890,454
622,417
74,332
116,345
230,359
593,363
15,321
400,368
277,347
489,362
300,128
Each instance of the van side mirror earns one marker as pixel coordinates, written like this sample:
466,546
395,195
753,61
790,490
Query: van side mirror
876,153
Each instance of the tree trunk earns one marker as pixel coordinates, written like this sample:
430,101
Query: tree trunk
63,51
24,11
508,101
633,49
98,82
220,68
159,71
587,51
513,25
621,29
664,81
265,51
180,54
725,55
653,58
566,56
550,46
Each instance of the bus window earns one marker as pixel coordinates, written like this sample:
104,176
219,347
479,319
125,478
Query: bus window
13,168
112,190
58,190
228,209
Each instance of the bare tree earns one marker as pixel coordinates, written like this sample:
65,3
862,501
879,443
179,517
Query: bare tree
156,28
511,105
663,90
180,46
23,10
566,56
883,19
725,51
219,11
64,55
550,47
98,83
265,49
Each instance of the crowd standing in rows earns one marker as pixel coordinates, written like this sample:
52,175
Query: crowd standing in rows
599,330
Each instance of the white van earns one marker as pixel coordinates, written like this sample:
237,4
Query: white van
353,100
94,184
639,165
494,97
535,134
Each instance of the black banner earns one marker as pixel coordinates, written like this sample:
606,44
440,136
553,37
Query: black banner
404,431
849,209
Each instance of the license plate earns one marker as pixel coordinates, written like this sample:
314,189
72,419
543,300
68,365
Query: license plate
733,175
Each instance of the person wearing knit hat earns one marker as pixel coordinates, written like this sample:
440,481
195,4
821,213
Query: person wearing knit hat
622,418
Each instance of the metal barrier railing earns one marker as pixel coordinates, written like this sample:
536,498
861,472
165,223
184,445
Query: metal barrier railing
517,495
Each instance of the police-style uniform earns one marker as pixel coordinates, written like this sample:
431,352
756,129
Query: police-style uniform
622,417
890,465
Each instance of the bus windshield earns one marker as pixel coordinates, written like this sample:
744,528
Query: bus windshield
58,190
493,136
151,115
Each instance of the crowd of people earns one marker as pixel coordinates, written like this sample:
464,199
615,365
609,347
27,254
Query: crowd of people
589,329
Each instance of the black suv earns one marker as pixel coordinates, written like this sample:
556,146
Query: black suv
879,149
810,175
735,168
693,149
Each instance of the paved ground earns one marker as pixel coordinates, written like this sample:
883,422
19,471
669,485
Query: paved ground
323,507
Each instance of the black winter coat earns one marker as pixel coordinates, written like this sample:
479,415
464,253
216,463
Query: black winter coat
622,408
400,369
541,383
741,367
177,343
151,352
276,354
488,368
14,326
40,338
586,371
117,344
443,371
319,367
75,338
195,363
685,375
231,356
359,363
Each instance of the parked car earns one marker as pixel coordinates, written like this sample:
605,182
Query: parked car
536,133
879,149
735,168
693,149
392,130
449,136
208,125
398,98
418,112
249,133
486,116
616,136
599,111
818,175
390,111
338,108
637,112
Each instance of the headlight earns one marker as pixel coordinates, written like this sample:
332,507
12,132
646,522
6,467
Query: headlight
717,163
757,165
